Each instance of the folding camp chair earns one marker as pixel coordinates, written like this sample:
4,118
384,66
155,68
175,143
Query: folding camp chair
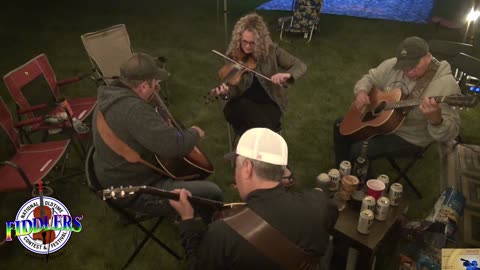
107,49
22,165
448,51
468,73
95,187
35,89
305,19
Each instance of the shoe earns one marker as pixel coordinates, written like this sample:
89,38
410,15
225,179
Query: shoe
288,180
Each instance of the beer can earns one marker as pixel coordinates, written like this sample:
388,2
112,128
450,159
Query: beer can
385,179
345,168
334,175
365,221
383,205
395,194
368,202
323,181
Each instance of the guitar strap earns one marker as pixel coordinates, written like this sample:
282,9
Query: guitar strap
423,83
121,148
271,242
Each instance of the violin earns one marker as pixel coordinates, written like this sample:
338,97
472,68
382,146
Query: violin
46,237
231,73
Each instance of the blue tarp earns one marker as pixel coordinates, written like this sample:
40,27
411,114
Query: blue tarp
399,10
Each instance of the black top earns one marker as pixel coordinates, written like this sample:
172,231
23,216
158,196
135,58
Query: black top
257,93
305,218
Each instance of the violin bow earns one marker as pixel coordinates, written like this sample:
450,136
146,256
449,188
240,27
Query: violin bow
244,66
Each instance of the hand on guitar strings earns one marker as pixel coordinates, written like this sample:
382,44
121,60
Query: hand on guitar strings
361,100
432,111
183,206
200,131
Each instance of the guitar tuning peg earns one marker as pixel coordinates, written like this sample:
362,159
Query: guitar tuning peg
122,193
453,107
112,194
461,108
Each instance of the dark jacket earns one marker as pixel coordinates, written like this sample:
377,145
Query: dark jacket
306,219
278,60
137,124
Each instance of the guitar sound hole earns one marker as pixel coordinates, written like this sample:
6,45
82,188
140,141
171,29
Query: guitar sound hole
379,108
370,115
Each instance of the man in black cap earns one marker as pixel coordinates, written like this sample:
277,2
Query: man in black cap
124,105
420,76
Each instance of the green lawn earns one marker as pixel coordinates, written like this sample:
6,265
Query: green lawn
185,32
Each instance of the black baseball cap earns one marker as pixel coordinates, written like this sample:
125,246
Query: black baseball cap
142,67
410,51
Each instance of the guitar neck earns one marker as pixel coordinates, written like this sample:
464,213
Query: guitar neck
410,102
174,196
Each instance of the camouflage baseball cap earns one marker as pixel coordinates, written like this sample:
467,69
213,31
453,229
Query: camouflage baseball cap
142,67
410,51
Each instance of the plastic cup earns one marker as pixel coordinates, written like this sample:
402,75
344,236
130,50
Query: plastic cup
375,188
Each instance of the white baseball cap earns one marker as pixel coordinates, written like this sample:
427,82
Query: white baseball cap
264,145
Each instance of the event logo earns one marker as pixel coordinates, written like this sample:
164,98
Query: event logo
43,225
461,259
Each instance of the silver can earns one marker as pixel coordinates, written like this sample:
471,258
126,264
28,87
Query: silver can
395,194
323,181
386,180
368,202
345,168
334,175
365,221
383,205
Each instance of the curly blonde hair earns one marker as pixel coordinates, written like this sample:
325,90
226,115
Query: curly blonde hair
255,24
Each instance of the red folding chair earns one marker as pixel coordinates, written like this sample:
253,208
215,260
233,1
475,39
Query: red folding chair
27,85
29,162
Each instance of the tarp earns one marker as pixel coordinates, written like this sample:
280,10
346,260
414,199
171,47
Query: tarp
418,11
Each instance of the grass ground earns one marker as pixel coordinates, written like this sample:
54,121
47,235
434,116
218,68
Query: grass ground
343,50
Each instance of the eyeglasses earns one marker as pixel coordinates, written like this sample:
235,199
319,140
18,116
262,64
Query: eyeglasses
245,43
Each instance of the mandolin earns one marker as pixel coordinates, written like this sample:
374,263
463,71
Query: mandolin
386,113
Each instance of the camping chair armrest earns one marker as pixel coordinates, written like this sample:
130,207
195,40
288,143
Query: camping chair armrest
28,122
73,79
284,19
20,171
32,108
60,104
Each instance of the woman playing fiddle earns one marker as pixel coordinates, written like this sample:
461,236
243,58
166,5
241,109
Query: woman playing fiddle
254,101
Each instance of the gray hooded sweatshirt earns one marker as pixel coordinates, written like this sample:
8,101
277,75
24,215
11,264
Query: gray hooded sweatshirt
416,129
137,124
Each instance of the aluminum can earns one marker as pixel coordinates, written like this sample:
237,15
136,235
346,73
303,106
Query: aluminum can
323,181
368,202
386,180
345,168
365,221
383,205
395,194
334,175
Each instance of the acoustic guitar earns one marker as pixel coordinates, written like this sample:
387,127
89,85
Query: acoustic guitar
195,165
386,113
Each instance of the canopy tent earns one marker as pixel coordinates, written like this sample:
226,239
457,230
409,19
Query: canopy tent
418,11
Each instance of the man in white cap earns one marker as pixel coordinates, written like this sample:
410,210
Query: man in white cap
305,219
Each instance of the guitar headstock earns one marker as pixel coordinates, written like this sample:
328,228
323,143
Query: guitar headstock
118,193
459,100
